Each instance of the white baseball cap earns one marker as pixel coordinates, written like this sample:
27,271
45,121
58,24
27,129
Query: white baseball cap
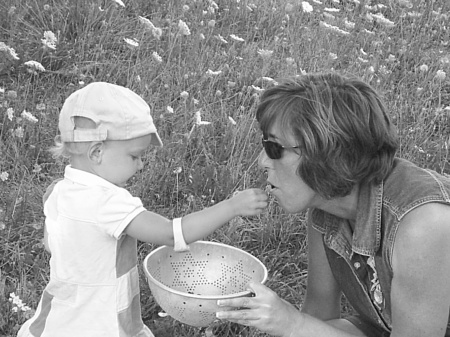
118,112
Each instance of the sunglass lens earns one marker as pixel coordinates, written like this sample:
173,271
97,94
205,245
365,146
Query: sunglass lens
273,150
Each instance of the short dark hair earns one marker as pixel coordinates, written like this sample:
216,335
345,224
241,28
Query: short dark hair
342,127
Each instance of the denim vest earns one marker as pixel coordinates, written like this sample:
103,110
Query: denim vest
361,260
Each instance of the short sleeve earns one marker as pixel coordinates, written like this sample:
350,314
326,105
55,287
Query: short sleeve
118,209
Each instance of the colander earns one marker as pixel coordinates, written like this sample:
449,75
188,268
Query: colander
188,284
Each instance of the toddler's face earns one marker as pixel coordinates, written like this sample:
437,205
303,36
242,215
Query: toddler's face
122,159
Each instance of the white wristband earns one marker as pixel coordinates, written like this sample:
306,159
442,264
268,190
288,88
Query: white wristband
179,245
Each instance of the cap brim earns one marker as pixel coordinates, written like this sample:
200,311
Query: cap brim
156,140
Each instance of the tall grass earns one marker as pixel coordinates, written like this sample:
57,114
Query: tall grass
400,47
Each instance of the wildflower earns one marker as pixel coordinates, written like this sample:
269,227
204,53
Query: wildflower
382,20
231,84
211,23
332,56
232,120
120,3
49,41
290,61
19,132
156,57
147,23
18,304
221,39
184,94
198,119
329,16
218,93
440,75
201,36
40,106
236,38
131,43
28,116
4,176
183,28
11,94
306,7
10,113
34,65
331,10
391,58
185,8
157,32
169,109
178,170
10,52
265,54
349,24
209,72
333,28
2,224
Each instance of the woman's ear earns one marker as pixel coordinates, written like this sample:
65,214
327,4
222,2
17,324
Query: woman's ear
95,152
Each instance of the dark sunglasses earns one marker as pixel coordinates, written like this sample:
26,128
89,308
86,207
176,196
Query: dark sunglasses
273,149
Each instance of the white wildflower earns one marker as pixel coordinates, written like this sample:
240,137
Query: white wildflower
209,72
157,32
221,39
265,54
440,75
10,113
28,116
306,7
333,28
19,132
40,106
236,38
183,28
10,52
131,43
156,57
331,10
49,40
147,23
34,65
184,94
178,170
169,109
382,20
4,176
211,23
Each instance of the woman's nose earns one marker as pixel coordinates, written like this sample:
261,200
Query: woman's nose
263,159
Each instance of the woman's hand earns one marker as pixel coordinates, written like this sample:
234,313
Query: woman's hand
265,311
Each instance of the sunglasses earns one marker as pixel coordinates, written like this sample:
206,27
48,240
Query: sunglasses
273,149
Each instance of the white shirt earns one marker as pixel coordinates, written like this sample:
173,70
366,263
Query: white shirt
94,281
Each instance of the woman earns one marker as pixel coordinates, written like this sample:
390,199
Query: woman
378,226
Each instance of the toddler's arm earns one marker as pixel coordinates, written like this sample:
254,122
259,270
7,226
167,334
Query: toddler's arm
154,228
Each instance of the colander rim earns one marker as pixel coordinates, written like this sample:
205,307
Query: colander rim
204,297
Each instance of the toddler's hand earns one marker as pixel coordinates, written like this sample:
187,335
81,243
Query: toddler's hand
249,202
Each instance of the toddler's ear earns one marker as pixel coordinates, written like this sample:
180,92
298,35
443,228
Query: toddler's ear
95,152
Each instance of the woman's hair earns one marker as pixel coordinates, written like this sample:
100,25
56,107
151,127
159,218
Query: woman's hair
69,149
343,130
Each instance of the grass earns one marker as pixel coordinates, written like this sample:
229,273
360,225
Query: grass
404,54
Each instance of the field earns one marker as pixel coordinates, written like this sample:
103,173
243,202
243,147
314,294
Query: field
201,66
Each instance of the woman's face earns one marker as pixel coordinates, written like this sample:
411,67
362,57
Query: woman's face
291,192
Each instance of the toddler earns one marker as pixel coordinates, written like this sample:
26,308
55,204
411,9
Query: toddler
92,222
